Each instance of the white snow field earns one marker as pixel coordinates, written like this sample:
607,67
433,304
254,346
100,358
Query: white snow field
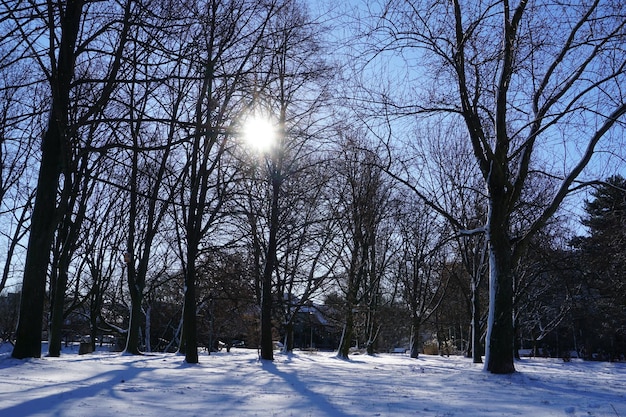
303,384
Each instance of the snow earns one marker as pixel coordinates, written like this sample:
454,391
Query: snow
303,384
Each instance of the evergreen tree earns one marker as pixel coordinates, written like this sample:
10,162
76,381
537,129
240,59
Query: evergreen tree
603,253
606,243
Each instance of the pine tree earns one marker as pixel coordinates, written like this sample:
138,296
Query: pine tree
606,222
603,252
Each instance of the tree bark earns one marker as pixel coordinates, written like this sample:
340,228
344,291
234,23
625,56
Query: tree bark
500,337
267,345
136,287
58,309
30,326
67,235
190,333
351,298
136,281
416,345
348,332
44,220
289,342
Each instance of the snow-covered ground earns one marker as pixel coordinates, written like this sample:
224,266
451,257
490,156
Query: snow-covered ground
304,384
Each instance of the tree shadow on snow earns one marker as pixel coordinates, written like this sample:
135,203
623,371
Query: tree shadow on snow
67,393
318,402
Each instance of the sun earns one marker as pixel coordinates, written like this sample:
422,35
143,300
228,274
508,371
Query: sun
259,133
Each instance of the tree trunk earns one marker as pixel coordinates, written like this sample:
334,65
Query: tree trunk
93,328
289,336
67,234
500,336
267,345
416,345
348,330
373,334
71,220
147,337
136,296
516,340
476,346
346,337
56,320
136,284
190,333
356,273
44,221
135,280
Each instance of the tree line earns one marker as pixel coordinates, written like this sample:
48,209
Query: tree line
420,162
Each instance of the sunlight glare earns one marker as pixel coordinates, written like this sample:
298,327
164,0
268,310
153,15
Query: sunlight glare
259,133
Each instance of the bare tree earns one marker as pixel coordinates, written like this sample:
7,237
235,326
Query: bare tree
102,241
74,197
69,40
458,180
151,184
420,266
290,88
363,197
222,52
527,79
308,248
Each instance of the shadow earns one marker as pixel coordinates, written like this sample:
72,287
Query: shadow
104,383
317,401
